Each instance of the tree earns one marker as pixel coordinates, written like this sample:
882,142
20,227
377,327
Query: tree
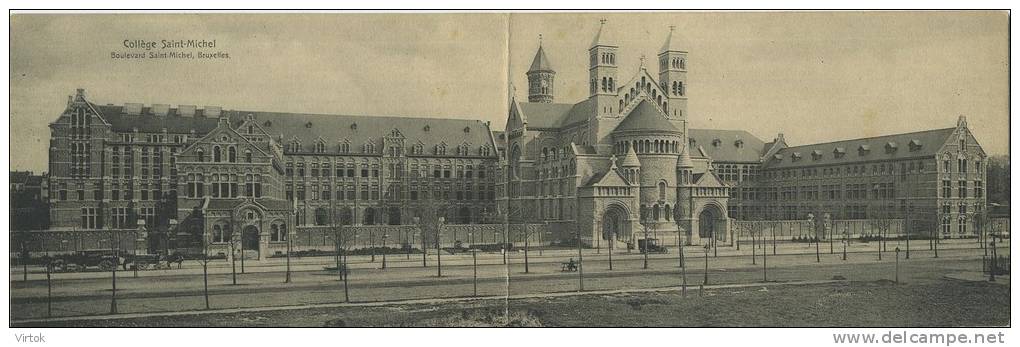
881,221
195,225
521,214
998,179
431,214
343,239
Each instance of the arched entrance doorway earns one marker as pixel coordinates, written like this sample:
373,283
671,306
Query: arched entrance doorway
250,240
709,222
614,222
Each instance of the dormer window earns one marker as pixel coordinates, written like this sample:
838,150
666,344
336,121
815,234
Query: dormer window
816,155
354,126
890,147
839,152
308,125
294,147
739,143
795,156
345,147
418,149
863,150
320,147
467,129
915,145
716,142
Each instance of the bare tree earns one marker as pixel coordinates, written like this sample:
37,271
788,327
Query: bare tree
431,215
521,215
880,222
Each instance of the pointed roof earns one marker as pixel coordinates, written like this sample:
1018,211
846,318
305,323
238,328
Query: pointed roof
645,117
631,159
685,159
541,62
672,43
601,39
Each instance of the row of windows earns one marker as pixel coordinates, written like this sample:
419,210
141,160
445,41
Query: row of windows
851,170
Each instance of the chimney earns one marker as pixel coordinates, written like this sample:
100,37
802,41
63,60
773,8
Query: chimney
186,110
160,109
213,111
133,109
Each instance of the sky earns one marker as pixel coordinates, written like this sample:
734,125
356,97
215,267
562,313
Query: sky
813,76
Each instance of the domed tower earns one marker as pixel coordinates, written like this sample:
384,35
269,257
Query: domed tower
673,74
540,77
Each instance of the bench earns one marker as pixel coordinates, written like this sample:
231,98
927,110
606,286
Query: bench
568,267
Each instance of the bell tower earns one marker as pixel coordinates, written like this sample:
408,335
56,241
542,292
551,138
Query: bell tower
540,77
673,74
602,83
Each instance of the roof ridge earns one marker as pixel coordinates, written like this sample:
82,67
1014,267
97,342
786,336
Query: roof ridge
872,137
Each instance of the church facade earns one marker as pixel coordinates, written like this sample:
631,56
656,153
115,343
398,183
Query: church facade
619,163
622,164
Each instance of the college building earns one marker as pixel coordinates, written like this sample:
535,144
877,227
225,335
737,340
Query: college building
625,161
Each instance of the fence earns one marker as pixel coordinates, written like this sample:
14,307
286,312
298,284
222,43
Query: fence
1001,265
786,230
365,236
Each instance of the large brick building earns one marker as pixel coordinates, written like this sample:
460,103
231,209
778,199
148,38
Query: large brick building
212,172
608,167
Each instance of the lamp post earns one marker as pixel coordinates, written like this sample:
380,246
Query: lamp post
384,237
424,250
580,262
474,262
897,278
991,272
502,246
707,248
439,253
612,241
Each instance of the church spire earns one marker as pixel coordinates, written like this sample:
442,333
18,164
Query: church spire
540,77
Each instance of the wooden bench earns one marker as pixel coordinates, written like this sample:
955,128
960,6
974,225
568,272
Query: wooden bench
568,267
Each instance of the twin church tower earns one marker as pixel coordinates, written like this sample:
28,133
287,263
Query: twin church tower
617,160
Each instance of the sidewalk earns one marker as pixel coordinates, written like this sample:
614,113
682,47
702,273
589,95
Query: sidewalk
364,262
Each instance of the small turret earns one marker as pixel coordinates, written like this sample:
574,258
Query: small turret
540,77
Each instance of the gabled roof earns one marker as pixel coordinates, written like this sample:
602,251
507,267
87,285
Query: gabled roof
708,180
610,178
541,115
541,62
307,128
851,150
733,145
646,117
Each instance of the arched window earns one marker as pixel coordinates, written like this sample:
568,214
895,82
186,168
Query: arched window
680,88
662,190
655,212
232,154
320,147
247,156
605,84
217,155
201,155
612,86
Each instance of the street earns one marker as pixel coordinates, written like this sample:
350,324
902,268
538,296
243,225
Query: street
89,293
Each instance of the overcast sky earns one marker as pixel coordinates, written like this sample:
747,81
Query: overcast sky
813,76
